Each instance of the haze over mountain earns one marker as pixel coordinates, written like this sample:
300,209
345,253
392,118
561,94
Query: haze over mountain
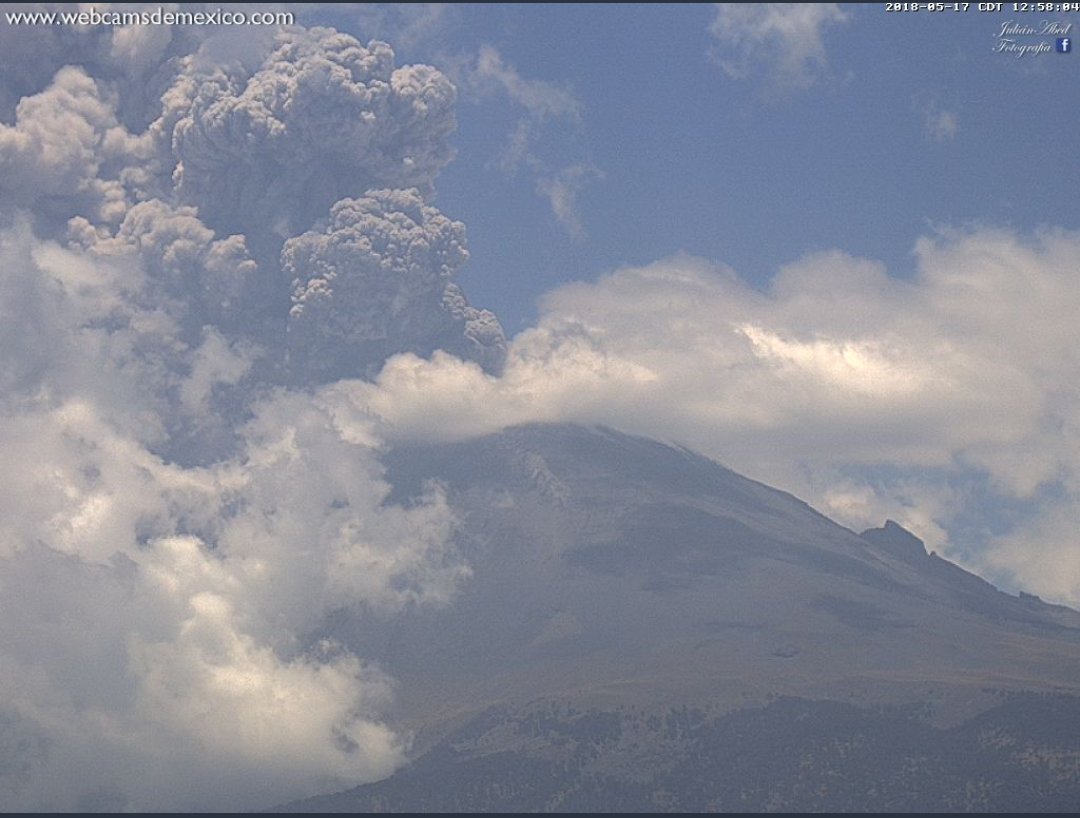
632,603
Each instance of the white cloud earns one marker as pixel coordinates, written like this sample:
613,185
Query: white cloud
784,40
541,99
183,594
870,396
407,25
1043,556
941,126
563,191
939,123
543,103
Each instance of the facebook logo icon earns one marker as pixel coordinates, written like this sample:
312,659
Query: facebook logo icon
1064,45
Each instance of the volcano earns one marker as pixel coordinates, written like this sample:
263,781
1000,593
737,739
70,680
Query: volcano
646,630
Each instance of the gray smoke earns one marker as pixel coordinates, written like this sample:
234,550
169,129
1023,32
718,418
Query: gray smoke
177,516
323,118
382,268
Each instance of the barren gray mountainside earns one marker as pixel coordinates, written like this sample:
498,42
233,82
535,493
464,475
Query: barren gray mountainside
645,629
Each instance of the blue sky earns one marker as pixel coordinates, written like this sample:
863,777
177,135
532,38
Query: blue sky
752,171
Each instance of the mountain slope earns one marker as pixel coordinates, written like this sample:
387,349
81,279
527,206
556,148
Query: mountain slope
620,581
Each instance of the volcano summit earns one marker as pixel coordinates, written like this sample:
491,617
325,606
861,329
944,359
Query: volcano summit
647,630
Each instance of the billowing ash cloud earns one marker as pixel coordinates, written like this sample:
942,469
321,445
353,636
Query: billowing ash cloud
54,155
31,55
267,155
211,280
323,118
382,269
177,516
139,62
